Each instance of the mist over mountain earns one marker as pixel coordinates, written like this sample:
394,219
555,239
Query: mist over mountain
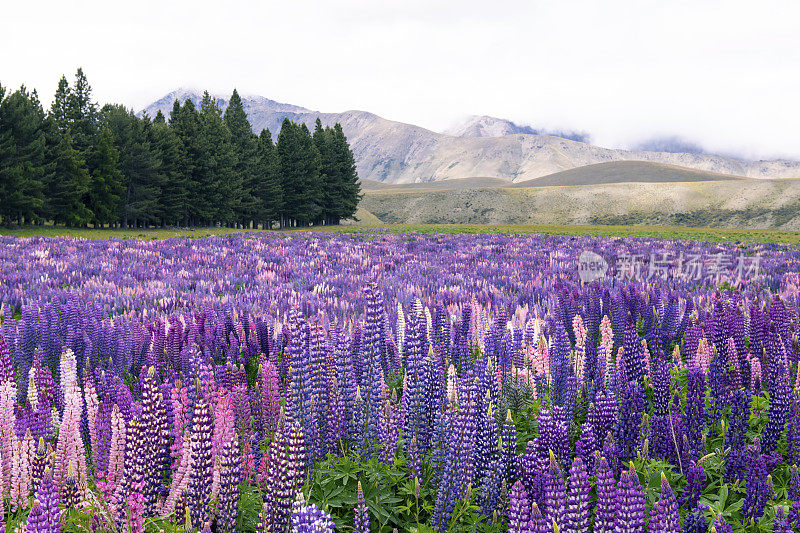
395,152
672,144
486,126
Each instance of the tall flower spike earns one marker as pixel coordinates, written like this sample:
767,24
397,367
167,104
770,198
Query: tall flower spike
630,503
361,518
555,492
230,477
721,525
606,508
518,510
576,519
664,517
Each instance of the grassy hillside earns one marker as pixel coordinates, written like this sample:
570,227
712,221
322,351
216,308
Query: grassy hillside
755,204
624,172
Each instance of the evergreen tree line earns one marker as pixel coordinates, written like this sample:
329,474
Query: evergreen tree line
79,165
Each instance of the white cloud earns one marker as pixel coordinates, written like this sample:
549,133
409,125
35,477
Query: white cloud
721,73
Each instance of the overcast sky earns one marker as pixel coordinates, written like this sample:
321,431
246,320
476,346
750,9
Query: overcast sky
725,74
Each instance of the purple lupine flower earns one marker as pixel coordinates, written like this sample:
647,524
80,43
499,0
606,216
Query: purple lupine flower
309,518
553,436
780,395
720,525
664,516
508,437
695,522
37,521
758,484
794,484
576,519
586,446
532,474
695,410
793,431
794,515
781,524
70,495
627,430
555,492
458,470
202,465
538,523
695,483
414,461
630,515
633,356
518,510
230,476
361,518
47,496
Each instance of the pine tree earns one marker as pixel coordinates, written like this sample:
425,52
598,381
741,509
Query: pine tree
245,146
220,187
82,114
106,183
347,183
23,163
185,122
299,167
172,203
67,186
268,191
139,163
59,108
328,176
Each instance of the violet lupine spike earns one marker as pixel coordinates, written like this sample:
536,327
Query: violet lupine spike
630,516
695,522
538,523
758,490
459,468
695,484
309,518
508,438
794,484
606,507
720,525
518,510
230,476
555,492
361,514
664,516
198,493
781,523
47,496
577,510
586,446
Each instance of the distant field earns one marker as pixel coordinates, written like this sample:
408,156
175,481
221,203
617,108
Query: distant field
662,232
659,232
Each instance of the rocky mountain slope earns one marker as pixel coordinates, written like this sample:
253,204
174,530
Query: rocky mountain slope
395,152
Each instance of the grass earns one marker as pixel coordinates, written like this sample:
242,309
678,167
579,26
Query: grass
663,232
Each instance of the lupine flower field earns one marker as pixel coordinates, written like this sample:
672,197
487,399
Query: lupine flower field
373,381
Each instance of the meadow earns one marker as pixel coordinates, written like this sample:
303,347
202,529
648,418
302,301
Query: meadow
411,378
659,232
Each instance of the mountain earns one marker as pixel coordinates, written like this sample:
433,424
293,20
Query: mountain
486,126
394,152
